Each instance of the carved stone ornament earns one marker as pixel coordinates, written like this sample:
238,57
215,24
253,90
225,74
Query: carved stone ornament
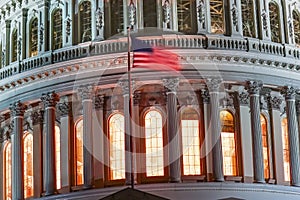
64,108
86,92
243,98
213,84
289,92
253,86
68,23
291,28
234,13
98,101
227,101
17,109
263,103
50,99
37,117
19,43
42,29
3,58
205,96
298,106
201,11
137,96
264,16
166,11
275,102
125,86
132,13
171,84
99,19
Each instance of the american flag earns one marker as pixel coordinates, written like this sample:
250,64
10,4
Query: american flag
146,56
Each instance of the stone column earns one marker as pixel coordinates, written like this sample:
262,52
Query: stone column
136,133
128,169
275,121
215,128
49,100
66,139
87,93
298,113
173,131
254,88
289,93
17,112
37,118
98,140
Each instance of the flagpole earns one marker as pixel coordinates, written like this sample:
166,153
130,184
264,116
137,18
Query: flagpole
130,109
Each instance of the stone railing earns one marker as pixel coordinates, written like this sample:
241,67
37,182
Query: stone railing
175,41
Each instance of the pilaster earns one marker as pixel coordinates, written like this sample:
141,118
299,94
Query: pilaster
66,137
203,16
37,117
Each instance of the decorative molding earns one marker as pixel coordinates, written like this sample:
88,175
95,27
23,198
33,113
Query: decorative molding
171,84
166,11
37,117
263,103
42,29
243,98
125,86
289,92
298,107
50,99
98,102
201,12
264,16
68,22
99,19
137,96
234,13
132,13
253,86
17,109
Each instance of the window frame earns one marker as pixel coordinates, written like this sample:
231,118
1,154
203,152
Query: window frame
25,135
14,51
52,28
142,176
75,183
31,23
5,166
202,175
80,24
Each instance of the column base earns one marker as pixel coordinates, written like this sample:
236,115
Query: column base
295,184
260,181
219,180
175,180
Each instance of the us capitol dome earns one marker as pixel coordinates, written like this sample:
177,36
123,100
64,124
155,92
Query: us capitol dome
75,125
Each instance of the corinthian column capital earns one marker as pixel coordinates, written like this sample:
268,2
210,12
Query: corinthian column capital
171,84
50,99
17,109
86,92
213,84
289,92
253,86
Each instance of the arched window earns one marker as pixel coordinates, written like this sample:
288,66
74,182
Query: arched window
190,142
296,23
14,46
286,149
114,17
7,171
186,15
228,144
154,144
274,22
248,18
217,16
79,152
57,29
85,21
33,38
57,157
117,147
28,165
150,13
265,144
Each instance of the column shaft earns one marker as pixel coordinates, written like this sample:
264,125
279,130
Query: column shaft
293,142
173,136
216,137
